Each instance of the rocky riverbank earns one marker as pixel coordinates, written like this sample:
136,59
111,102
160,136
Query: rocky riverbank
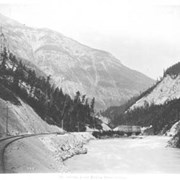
175,133
44,153
175,141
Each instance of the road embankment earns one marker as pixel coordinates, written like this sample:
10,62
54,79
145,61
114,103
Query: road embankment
44,153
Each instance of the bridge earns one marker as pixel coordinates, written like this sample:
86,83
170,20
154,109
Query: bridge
128,130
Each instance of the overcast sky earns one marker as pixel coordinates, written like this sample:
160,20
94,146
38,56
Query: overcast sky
143,34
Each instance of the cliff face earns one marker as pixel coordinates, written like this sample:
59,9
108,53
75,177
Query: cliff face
74,66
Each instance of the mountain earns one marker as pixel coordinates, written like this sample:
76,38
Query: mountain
158,106
167,89
74,66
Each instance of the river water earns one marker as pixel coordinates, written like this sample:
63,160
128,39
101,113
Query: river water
126,155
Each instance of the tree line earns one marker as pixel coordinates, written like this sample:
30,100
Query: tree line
173,70
161,117
50,102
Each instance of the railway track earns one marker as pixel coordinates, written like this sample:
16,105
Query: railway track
5,142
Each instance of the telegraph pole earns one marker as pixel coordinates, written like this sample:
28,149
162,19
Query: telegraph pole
7,119
62,120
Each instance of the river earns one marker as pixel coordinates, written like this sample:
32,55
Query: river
126,155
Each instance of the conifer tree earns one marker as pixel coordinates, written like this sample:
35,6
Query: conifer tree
4,58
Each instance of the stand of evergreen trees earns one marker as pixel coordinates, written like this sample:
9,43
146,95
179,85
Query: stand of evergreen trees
50,102
161,117
172,70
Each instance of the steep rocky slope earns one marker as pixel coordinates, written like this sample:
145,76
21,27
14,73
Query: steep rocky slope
74,66
165,90
42,153
22,120
157,107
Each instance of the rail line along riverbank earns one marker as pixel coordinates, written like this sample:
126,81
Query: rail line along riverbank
44,153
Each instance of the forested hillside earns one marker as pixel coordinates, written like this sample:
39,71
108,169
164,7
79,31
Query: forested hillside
173,70
50,103
74,66
158,106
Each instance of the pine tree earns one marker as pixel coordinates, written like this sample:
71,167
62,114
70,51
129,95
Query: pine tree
4,57
49,102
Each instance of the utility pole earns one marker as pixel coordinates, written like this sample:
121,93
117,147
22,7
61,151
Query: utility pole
7,119
62,120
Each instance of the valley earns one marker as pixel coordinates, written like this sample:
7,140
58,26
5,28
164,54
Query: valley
60,98
72,65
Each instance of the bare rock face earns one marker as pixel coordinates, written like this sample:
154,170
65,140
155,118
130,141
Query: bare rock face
147,131
74,66
166,90
174,129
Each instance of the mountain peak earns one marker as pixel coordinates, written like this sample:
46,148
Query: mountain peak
74,66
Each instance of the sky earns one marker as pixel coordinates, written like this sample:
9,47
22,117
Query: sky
143,34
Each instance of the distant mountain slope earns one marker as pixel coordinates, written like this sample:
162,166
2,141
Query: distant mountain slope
75,66
158,106
166,90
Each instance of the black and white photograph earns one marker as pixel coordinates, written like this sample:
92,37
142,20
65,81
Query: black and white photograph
90,88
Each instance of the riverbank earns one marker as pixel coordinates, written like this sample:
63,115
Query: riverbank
44,153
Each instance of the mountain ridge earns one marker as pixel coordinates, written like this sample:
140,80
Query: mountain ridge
165,90
74,66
